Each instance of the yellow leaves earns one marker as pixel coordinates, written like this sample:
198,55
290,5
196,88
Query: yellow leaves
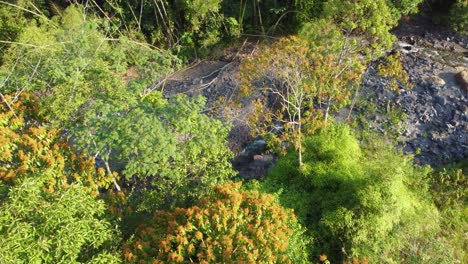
392,69
190,248
229,226
199,235
31,149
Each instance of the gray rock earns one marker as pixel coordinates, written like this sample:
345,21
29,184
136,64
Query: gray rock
440,100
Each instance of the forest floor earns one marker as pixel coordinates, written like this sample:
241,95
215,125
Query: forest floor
430,120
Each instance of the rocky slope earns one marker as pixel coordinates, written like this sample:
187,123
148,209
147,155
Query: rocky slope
436,127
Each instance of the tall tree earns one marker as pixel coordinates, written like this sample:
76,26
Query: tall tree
168,144
301,74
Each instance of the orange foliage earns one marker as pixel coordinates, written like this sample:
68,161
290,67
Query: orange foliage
392,69
29,148
231,226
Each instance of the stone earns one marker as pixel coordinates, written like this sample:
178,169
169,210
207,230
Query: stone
437,80
462,79
441,100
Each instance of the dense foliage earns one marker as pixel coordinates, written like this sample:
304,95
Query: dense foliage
99,163
48,194
229,226
61,227
458,16
70,60
166,144
364,202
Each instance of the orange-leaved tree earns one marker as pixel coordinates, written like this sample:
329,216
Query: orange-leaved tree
230,226
297,75
28,148
282,71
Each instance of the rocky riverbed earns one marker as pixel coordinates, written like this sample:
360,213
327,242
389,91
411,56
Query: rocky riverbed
435,127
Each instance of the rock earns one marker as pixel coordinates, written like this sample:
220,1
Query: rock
407,48
264,158
462,79
256,147
436,80
441,100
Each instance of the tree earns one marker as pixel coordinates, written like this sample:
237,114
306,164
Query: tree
28,148
11,24
228,226
71,60
284,69
371,20
300,74
359,202
49,212
66,226
165,145
337,63
458,16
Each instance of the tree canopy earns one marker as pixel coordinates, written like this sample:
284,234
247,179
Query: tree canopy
230,225
108,154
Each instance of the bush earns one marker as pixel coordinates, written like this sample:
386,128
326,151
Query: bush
357,201
229,226
458,16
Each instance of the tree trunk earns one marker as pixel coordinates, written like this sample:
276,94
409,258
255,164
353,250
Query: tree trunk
327,110
356,95
299,130
112,175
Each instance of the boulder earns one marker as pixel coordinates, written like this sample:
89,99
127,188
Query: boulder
462,79
435,80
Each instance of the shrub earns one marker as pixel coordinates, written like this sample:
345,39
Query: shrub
229,226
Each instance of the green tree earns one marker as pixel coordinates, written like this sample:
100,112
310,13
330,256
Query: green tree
229,226
11,24
369,19
66,226
359,202
70,61
166,143
458,16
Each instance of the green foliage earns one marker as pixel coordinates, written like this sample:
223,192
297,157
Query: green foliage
404,7
188,27
29,148
359,200
261,16
11,24
449,189
169,144
70,61
61,227
458,16
228,226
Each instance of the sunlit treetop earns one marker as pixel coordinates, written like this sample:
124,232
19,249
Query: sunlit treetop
230,226
28,147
